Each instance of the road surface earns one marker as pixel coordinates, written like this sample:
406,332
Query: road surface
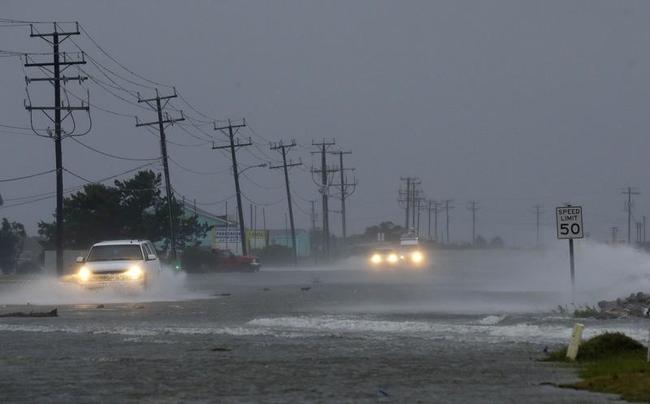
449,333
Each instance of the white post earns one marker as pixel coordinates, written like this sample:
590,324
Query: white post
648,358
574,344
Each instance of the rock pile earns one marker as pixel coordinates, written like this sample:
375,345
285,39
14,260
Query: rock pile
636,305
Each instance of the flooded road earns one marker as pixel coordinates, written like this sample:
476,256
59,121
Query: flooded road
471,328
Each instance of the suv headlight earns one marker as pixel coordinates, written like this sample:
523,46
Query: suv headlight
135,272
375,259
84,274
417,257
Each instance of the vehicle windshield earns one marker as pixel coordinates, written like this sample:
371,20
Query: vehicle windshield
115,253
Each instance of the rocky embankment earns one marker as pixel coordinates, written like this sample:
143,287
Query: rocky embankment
635,305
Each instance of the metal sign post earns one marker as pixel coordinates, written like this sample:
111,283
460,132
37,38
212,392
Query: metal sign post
569,226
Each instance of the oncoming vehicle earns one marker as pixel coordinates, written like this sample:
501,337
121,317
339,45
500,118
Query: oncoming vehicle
227,261
397,258
407,255
120,263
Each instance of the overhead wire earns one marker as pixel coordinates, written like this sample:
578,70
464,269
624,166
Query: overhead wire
113,155
261,203
196,171
25,200
92,39
24,177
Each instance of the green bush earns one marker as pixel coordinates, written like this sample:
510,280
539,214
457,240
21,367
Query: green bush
608,344
601,347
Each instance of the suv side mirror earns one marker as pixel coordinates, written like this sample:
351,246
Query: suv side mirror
151,257
79,260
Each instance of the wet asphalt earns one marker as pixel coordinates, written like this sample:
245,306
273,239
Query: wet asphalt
336,334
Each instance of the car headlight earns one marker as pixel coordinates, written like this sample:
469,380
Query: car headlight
375,259
393,258
417,257
135,272
84,274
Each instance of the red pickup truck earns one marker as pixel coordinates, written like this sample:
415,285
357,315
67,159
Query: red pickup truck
227,261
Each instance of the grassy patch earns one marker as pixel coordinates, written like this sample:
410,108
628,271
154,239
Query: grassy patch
612,363
586,312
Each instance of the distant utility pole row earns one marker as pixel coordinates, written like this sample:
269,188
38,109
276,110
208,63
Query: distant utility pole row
629,191
411,199
473,207
538,212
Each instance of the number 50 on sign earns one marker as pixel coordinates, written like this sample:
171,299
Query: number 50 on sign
569,222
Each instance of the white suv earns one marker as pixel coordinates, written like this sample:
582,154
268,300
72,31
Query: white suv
127,262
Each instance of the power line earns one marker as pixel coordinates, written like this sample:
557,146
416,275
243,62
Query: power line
114,155
189,170
155,83
27,176
47,195
268,188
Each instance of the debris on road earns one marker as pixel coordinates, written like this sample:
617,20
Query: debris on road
221,349
51,313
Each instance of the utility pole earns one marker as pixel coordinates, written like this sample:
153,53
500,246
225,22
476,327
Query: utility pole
629,191
538,212
264,218
162,122
233,146
419,206
447,209
614,233
436,206
415,198
283,149
312,216
346,189
473,208
643,233
324,189
405,199
56,67
429,204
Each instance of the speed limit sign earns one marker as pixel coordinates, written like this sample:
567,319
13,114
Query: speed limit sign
569,222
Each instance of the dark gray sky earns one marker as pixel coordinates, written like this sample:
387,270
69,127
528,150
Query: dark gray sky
511,103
